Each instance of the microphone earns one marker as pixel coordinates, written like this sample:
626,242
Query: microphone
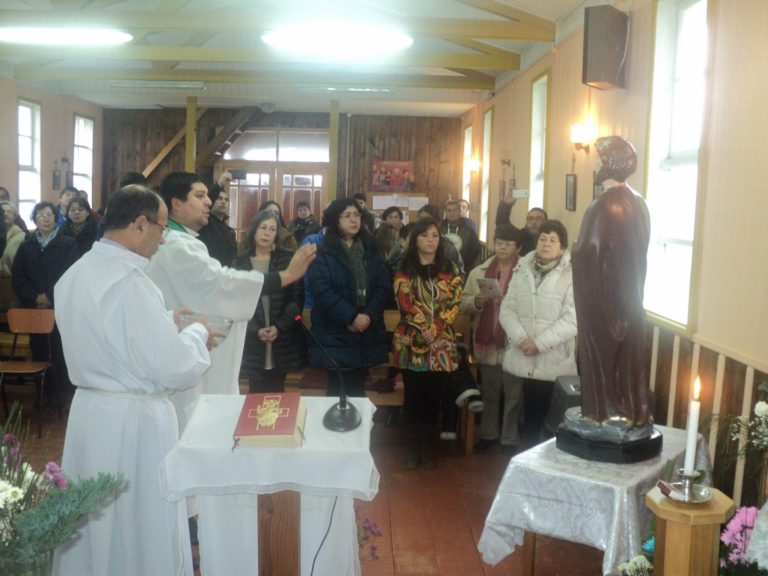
342,416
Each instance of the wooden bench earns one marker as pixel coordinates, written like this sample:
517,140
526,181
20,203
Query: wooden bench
463,326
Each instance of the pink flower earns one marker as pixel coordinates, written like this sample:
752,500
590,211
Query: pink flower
54,475
738,532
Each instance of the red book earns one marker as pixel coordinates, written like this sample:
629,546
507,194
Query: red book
271,419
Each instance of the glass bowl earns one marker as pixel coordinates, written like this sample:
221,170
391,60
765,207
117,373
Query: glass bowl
218,323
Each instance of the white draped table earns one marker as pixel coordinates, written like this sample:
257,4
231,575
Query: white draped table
547,491
329,471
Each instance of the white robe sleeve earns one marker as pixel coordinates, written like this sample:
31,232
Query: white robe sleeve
142,336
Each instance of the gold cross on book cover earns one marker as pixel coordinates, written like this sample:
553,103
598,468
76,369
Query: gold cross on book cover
275,420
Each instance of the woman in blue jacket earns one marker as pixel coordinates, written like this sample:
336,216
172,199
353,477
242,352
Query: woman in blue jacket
349,284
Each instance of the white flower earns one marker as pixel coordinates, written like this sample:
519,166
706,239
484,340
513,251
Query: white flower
15,494
761,409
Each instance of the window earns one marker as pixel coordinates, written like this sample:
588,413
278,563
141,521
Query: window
281,146
28,158
466,178
486,174
676,122
82,167
538,141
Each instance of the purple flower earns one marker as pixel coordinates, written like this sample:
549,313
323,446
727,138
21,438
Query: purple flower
13,455
54,475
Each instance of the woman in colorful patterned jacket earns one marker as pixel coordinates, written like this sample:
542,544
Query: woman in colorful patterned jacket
428,292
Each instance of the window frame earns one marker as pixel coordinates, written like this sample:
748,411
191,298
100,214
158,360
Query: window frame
33,170
78,175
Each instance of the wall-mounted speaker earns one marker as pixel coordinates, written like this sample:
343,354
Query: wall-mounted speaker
606,35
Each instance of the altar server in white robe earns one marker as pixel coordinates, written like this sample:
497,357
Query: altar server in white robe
125,355
188,276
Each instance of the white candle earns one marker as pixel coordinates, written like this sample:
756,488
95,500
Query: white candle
693,430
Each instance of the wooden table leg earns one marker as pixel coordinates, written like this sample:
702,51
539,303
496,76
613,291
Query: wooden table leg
279,545
529,553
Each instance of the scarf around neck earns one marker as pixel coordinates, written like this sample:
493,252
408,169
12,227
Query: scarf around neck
489,333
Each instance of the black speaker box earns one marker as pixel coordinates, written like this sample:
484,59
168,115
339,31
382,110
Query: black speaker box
606,34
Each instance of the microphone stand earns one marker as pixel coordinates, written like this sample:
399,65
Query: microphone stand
342,416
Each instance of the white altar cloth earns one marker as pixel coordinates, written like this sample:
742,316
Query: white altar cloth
550,492
330,466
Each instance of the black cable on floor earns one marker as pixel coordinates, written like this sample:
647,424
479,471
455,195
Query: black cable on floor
327,531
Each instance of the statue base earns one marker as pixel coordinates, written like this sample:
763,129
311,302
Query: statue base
614,441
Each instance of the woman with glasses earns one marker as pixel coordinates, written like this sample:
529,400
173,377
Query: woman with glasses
539,318
486,287
428,291
349,284
80,224
274,341
41,260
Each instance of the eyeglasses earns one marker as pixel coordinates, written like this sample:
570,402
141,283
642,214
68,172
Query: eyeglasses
505,243
77,210
164,229
351,216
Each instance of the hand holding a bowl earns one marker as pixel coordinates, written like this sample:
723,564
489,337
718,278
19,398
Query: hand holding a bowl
218,327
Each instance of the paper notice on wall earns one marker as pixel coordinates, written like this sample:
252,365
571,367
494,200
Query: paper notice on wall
383,201
417,202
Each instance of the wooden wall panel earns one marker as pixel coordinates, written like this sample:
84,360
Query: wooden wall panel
732,402
132,138
434,145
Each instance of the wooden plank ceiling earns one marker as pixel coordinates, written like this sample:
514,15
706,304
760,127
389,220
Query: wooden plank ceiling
460,46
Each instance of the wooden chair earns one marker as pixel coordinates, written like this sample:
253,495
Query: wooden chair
25,321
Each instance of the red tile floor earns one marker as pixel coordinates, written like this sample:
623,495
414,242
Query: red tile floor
430,520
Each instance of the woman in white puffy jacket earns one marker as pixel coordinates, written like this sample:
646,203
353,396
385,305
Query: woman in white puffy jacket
539,318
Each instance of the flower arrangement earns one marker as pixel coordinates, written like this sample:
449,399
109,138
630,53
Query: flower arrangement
39,510
367,531
637,566
756,429
734,541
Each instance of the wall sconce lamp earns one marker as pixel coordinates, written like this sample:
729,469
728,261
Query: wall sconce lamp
474,165
581,136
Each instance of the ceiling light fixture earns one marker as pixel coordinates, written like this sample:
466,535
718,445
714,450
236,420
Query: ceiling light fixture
338,40
64,36
158,84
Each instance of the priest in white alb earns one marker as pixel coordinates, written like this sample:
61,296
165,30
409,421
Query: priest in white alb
125,355
188,276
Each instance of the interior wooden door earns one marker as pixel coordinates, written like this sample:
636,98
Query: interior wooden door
301,183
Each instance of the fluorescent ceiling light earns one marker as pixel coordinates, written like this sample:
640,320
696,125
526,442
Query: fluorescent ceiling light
64,36
340,41
158,84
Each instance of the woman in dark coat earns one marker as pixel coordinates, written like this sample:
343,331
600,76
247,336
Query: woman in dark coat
274,342
349,284
39,263
80,224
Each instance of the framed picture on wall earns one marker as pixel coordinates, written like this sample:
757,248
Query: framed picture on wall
570,192
597,188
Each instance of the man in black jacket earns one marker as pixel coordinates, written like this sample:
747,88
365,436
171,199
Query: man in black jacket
219,237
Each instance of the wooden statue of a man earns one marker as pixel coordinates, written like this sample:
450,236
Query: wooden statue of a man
609,266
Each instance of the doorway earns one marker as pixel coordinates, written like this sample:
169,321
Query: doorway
286,183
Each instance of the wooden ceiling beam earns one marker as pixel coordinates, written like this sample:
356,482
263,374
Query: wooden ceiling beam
507,11
242,55
239,77
206,154
257,22
486,49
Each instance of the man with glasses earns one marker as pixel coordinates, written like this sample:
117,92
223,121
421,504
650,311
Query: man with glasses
126,355
533,221
188,276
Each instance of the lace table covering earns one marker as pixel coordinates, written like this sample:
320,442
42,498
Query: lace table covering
552,493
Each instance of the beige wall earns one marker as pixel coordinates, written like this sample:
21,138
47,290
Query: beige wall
57,135
731,314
